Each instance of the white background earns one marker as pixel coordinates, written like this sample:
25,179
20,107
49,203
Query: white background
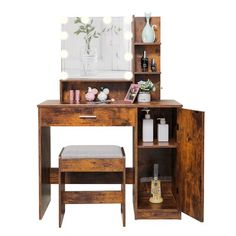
198,69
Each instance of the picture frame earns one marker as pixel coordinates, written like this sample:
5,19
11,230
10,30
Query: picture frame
132,93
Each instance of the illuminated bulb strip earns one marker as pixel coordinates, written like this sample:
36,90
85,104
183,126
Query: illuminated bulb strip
128,75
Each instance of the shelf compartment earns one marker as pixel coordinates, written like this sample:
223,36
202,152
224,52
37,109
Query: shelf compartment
168,209
151,53
118,89
139,24
171,144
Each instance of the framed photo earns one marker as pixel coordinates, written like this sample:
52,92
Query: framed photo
132,93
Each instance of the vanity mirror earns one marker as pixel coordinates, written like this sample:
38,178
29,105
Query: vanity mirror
96,48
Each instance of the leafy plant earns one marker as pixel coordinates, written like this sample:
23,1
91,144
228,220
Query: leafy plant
146,86
90,31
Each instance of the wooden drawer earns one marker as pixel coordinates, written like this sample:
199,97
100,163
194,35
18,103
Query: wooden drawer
107,116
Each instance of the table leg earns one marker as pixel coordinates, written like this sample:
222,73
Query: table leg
44,169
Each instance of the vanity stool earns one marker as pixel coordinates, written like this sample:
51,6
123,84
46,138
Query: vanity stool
91,158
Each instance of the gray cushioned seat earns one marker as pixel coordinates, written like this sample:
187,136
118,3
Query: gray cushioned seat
92,151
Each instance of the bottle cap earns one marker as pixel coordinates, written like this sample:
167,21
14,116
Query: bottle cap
147,116
162,120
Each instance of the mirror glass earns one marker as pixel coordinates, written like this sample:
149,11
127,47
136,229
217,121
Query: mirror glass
96,48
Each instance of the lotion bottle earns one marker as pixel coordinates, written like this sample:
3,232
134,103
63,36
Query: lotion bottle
162,130
147,127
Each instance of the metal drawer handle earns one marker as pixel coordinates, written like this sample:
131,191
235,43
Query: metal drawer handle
87,117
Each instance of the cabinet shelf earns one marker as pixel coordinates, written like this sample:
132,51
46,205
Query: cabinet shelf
171,144
147,44
147,73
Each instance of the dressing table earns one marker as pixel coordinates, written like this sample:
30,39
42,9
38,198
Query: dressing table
181,160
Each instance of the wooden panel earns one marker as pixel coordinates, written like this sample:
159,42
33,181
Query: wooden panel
190,137
84,197
168,209
44,169
150,214
88,116
93,178
92,165
139,25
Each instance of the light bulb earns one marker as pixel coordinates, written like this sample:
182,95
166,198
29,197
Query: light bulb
128,56
128,75
64,20
128,35
106,20
128,19
64,75
85,19
64,35
64,53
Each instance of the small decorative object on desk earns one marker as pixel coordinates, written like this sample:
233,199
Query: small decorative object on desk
77,96
132,93
146,87
148,34
103,94
90,95
71,96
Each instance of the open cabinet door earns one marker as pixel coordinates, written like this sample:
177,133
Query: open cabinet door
190,159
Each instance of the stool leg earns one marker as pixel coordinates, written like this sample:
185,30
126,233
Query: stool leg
61,190
123,198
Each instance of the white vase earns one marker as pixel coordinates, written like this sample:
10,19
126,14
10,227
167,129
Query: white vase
144,97
89,61
148,34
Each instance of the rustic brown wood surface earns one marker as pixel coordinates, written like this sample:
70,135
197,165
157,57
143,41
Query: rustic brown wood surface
89,197
190,137
88,116
92,178
44,167
91,165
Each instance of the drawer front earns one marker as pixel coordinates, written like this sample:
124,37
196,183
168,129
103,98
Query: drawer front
92,165
106,116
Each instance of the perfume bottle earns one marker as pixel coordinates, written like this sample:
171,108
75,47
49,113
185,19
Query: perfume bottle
144,62
153,65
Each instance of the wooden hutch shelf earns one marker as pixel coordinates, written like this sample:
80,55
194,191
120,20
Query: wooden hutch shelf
171,144
147,44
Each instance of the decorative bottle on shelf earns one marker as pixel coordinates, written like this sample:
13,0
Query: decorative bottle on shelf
147,127
148,34
144,62
162,131
153,65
